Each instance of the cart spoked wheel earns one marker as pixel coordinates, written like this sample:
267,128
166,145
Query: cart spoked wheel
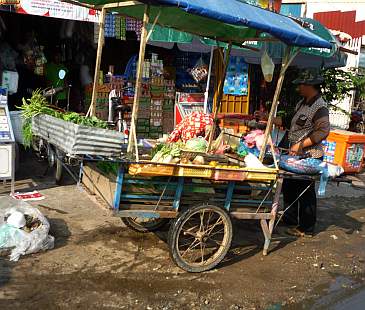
200,238
59,168
144,225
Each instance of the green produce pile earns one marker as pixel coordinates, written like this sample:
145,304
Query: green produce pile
108,167
167,153
37,104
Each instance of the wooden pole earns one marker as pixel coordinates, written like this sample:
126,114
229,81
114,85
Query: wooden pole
137,93
206,94
219,95
288,58
98,62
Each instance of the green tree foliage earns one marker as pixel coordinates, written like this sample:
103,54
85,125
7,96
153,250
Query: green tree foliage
338,84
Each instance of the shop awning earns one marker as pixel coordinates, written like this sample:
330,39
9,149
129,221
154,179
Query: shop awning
307,57
228,20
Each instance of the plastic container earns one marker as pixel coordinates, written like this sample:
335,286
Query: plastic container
189,171
346,149
151,170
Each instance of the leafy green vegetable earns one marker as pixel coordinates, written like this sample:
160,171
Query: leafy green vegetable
108,167
38,104
197,145
161,151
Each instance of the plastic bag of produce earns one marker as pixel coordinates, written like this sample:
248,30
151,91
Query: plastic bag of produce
23,228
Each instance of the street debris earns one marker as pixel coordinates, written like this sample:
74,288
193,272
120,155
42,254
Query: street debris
29,196
23,228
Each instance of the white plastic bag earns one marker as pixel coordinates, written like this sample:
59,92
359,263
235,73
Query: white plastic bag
267,67
252,161
20,241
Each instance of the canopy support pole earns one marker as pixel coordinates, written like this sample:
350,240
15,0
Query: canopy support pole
290,54
153,25
137,93
219,95
99,52
206,94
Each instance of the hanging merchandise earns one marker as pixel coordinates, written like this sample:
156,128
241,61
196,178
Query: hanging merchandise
40,61
123,28
236,82
96,33
200,70
109,27
134,25
267,67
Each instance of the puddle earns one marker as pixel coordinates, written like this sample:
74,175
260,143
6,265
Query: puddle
342,293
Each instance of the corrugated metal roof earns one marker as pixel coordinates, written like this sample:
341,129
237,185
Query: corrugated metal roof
342,21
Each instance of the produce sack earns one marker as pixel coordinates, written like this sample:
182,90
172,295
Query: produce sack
22,237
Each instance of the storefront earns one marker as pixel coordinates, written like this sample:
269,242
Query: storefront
33,34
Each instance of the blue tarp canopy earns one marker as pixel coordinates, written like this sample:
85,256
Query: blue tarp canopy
223,20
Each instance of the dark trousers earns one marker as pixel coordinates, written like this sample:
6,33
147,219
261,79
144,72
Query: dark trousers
303,212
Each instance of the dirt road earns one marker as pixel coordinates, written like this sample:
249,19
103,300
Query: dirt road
99,264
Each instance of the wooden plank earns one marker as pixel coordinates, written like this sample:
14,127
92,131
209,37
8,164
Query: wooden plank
251,216
146,214
141,206
99,184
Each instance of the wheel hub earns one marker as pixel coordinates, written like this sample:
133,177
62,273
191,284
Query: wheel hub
200,235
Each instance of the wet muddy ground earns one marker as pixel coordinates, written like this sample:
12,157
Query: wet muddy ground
98,263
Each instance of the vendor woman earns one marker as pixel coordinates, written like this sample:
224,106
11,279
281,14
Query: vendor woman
308,127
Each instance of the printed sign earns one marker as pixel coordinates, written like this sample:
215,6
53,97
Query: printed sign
51,8
236,82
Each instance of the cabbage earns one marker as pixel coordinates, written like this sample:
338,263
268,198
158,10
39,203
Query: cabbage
197,145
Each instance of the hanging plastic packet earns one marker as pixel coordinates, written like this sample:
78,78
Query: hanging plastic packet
200,70
267,67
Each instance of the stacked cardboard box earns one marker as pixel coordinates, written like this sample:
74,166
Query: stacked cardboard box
143,127
168,106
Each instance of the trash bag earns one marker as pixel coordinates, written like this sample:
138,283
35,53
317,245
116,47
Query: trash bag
31,238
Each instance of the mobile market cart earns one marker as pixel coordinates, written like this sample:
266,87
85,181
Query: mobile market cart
201,198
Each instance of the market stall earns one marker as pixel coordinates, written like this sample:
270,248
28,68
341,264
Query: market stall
192,181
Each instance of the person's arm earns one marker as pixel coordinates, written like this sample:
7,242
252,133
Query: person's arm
321,131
